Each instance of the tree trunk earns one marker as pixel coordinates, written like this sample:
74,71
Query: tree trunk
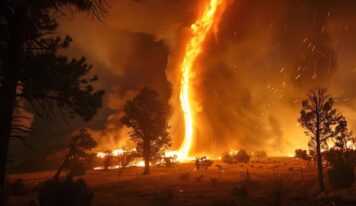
60,169
16,21
318,157
7,94
147,156
320,165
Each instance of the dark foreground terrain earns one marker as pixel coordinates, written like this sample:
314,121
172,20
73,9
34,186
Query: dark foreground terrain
269,181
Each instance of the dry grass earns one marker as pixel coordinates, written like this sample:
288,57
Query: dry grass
273,181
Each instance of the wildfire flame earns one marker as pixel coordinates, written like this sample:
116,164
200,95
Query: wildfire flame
193,48
199,30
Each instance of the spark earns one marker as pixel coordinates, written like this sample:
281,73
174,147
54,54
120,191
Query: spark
193,48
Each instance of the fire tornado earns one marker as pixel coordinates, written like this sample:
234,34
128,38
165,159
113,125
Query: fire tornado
193,48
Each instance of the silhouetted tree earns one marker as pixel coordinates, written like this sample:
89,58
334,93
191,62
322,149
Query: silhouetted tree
78,147
343,137
260,154
146,116
31,68
234,157
242,156
318,117
341,158
302,154
341,163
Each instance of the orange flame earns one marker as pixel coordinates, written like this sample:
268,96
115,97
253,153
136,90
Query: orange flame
193,48
199,29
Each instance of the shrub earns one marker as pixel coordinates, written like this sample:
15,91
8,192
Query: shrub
169,161
206,163
341,174
228,158
233,157
260,154
242,156
59,192
302,154
203,162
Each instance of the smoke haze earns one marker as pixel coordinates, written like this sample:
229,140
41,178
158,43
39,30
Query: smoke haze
248,81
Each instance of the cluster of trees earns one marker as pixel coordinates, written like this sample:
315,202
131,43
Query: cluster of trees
324,124
146,116
231,157
34,71
36,75
302,154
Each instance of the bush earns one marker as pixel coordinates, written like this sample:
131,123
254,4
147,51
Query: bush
260,154
169,161
203,162
242,156
233,157
59,192
302,154
228,158
341,174
206,162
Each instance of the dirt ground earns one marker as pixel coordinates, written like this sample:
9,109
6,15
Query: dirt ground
269,181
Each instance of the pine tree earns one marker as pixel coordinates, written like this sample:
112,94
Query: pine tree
146,116
32,70
318,117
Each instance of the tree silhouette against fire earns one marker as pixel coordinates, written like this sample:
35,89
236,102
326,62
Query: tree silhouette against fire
146,116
